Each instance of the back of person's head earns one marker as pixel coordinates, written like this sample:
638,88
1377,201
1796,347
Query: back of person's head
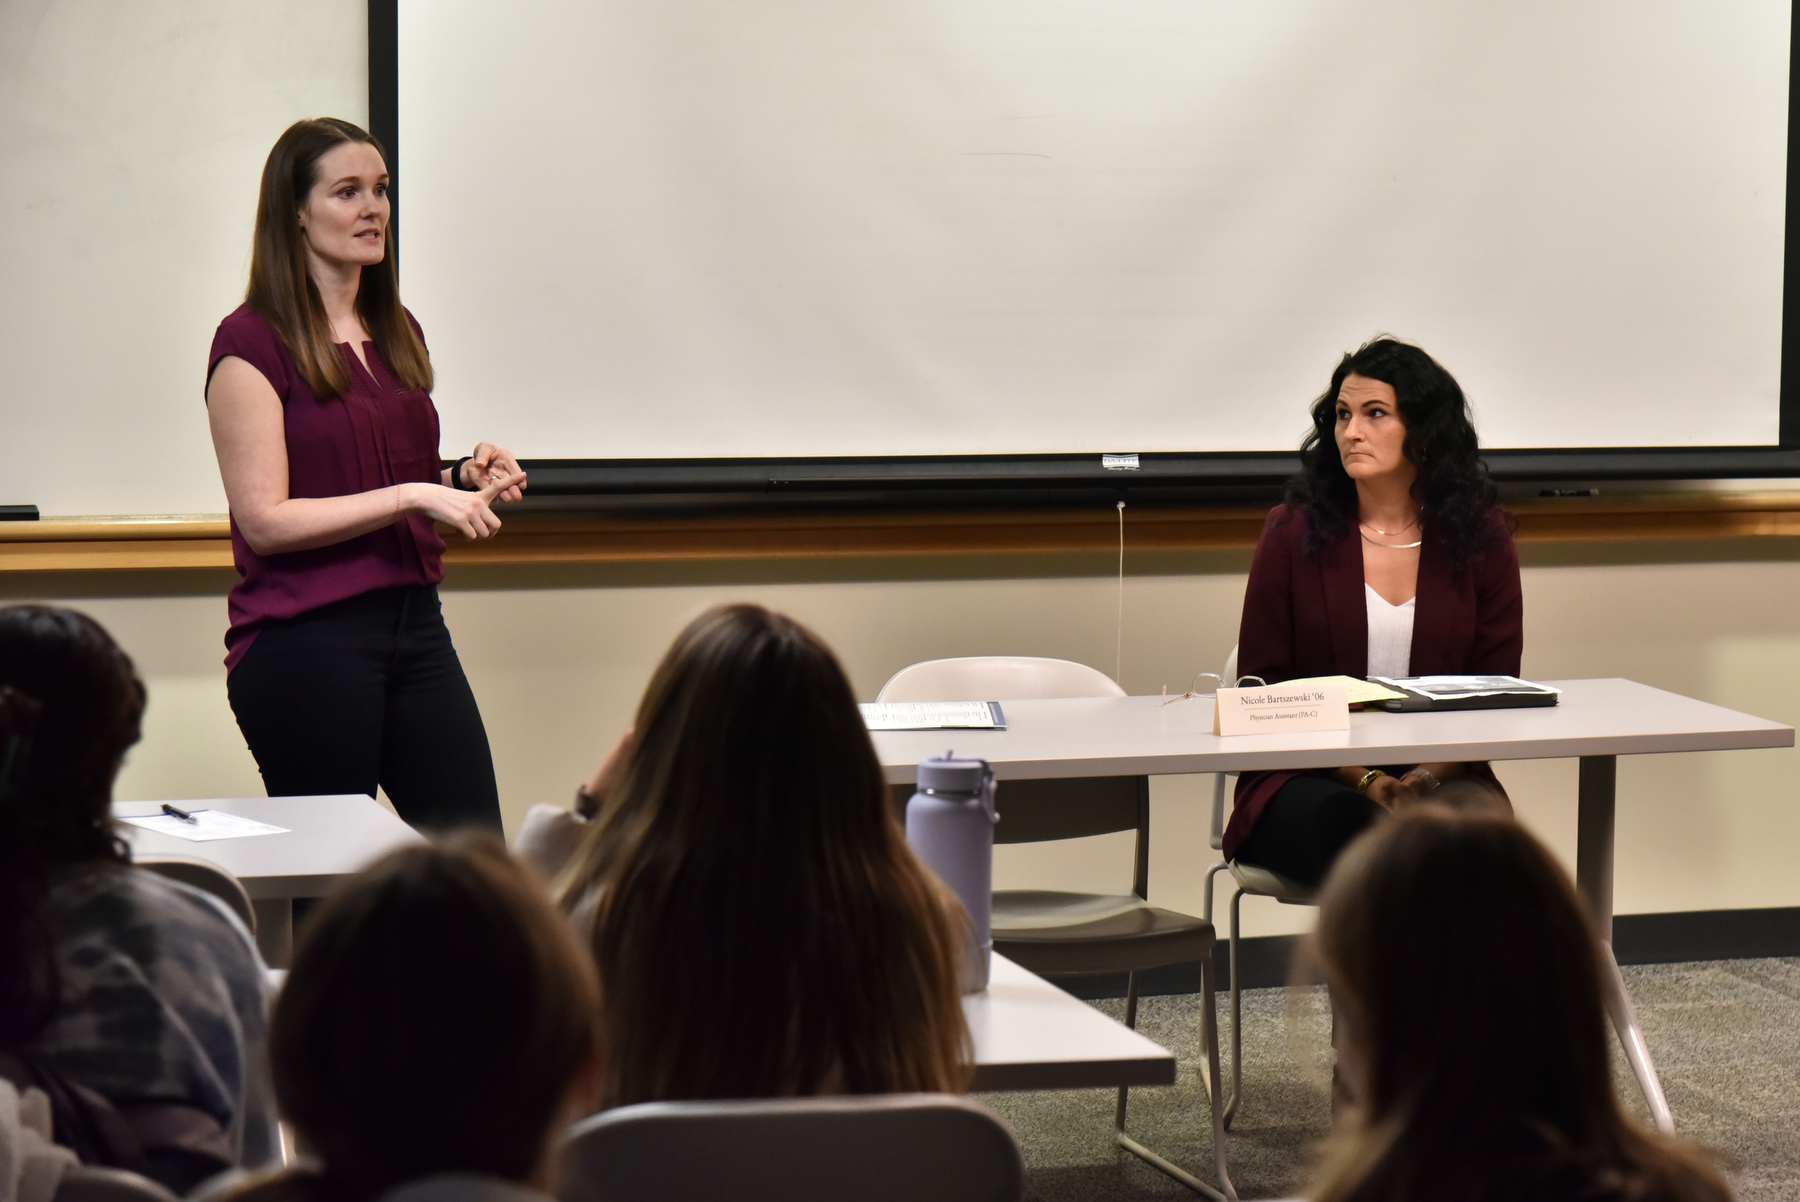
760,925
438,1018
1467,984
70,707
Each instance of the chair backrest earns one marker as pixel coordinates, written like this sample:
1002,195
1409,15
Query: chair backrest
207,877
894,1148
997,678
90,1183
1031,811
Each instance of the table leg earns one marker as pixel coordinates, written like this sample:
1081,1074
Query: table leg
1598,791
1598,797
274,929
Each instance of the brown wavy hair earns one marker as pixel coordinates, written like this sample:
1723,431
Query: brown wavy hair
1467,980
282,290
71,705
438,1016
760,925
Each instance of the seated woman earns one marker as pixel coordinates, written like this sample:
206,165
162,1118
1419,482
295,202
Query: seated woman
1389,557
1471,1032
435,1036
760,925
135,1003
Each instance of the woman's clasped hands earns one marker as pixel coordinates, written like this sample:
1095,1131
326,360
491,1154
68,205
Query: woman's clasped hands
492,474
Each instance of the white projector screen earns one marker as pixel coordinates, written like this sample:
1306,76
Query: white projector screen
792,228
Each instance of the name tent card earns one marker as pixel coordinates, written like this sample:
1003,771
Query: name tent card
1282,709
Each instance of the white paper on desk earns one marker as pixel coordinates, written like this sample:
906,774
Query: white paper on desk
206,826
933,715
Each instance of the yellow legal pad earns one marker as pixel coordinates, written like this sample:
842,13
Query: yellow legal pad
1357,692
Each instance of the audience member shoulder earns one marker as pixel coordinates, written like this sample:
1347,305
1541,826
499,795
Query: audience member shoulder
120,903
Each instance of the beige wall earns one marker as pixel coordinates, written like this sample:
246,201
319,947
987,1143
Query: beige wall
558,657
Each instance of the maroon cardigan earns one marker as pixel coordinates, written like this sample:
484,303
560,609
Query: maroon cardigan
1308,616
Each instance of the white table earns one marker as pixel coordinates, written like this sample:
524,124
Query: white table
1596,722
1028,1034
327,839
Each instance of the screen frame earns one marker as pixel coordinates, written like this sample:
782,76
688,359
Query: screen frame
1053,477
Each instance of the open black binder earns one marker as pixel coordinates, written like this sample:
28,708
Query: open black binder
1465,693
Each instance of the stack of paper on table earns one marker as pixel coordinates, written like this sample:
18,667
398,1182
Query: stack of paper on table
933,715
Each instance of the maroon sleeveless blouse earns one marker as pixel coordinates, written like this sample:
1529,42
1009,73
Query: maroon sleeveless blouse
378,435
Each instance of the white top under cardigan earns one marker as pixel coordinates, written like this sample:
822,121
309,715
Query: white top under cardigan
1390,635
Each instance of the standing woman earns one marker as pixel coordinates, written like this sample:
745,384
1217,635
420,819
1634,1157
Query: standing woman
1390,557
341,672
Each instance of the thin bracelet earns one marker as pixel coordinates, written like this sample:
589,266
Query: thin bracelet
1369,778
396,502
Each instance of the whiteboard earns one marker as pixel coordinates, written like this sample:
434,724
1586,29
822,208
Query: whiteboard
134,137
706,228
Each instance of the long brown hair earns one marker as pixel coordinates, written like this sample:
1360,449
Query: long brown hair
437,1016
282,289
760,925
1468,982
71,704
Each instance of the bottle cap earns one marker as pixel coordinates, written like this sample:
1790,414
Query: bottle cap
952,776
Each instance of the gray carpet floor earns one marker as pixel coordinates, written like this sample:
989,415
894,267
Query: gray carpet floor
1725,1035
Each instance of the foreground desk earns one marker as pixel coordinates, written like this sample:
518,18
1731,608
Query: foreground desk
1028,1034
1597,721
327,839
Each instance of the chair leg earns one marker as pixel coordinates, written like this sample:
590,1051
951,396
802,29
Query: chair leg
1131,1000
1209,1017
1212,872
1237,1018
1209,1032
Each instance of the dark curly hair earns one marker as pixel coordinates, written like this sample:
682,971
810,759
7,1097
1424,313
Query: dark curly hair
70,705
1455,496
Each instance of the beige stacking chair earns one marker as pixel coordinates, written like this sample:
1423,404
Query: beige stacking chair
883,1148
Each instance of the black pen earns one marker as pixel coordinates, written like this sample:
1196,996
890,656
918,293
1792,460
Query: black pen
172,812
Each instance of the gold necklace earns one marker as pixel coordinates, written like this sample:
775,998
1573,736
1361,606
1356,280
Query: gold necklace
1392,533
1392,546
1363,529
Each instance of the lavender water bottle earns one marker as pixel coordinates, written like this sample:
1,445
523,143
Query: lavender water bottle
950,827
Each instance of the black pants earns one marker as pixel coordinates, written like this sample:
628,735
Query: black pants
368,692
1304,827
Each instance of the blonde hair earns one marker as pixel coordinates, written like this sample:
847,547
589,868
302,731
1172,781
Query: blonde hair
760,925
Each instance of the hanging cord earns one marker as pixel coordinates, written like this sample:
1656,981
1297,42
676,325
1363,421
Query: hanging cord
1119,642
